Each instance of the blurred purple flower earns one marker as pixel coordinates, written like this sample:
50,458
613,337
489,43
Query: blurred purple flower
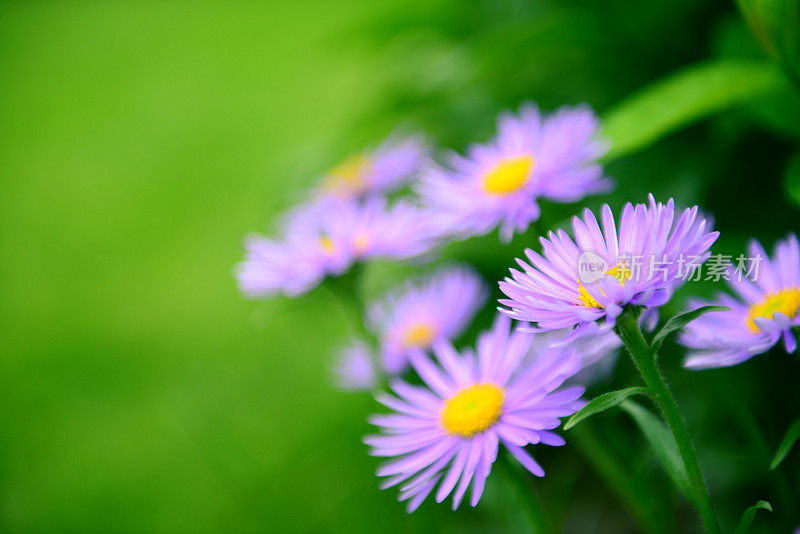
767,308
450,429
384,169
354,369
424,311
598,352
325,237
498,183
579,282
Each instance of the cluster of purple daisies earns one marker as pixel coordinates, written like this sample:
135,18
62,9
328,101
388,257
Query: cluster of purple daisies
451,409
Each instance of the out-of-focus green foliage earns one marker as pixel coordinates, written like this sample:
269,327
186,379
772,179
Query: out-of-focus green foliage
682,98
793,179
660,439
140,141
776,24
787,443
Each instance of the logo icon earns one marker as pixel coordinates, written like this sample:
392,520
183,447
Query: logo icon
591,267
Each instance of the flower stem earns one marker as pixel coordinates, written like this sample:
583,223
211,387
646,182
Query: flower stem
347,290
627,327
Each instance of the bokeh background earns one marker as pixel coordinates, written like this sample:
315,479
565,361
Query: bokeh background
139,141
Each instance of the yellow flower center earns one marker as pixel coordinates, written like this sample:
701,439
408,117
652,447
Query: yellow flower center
473,409
620,272
327,244
349,176
360,242
419,335
508,176
786,301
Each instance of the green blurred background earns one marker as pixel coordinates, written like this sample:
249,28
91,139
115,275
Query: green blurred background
139,141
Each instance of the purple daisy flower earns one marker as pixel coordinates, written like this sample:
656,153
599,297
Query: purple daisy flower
325,237
767,308
579,282
384,169
291,266
425,311
354,369
449,431
498,183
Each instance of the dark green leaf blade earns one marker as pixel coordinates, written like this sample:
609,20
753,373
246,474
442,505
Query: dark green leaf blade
603,403
750,514
678,322
663,444
683,98
791,437
776,25
792,179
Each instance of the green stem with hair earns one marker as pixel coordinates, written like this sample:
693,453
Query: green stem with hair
627,327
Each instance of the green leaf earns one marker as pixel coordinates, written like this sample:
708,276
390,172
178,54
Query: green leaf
778,112
603,403
684,97
792,179
749,514
663,444
678,322
791,437
776,25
